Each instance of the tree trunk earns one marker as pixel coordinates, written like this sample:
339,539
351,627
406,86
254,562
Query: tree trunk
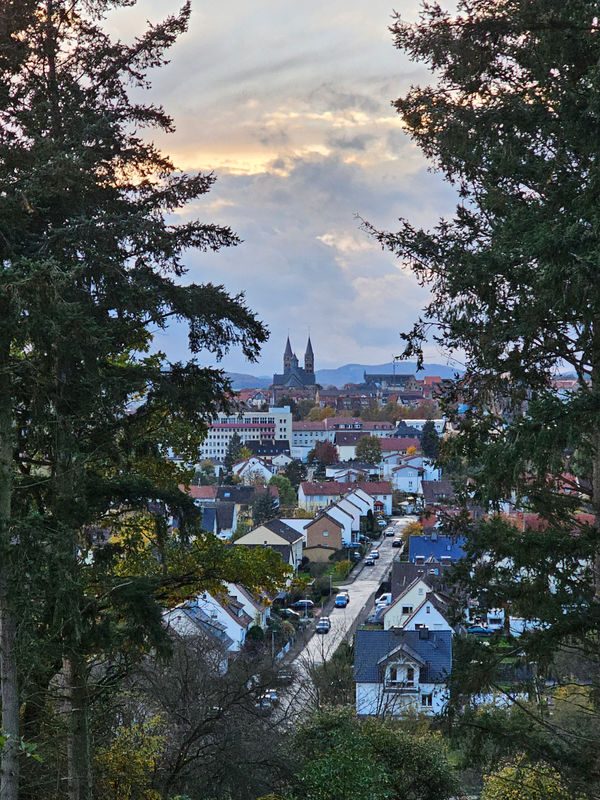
9,759
78,739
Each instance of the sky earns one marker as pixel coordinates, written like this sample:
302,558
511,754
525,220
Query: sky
289,104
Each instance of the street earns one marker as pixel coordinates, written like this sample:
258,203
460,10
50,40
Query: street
321,646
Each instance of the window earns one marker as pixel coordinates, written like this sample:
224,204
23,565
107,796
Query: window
393,675
407,609
428,609
325,533
410,676
426,700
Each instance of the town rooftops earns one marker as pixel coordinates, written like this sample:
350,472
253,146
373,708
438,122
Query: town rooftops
329,488
284,530
200,492
435,492
435,547
373,647
399,443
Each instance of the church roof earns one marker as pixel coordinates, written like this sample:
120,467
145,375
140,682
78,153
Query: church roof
309,350
288,348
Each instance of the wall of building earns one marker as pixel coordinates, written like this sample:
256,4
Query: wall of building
324,531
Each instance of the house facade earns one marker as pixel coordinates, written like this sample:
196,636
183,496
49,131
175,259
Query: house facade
323,537
398,672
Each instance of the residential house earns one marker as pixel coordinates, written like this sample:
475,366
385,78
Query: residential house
407,478
440,548
315,496
437,493
324,536
354,510
420,605
345,519
275,532
346,442
224,613
398,671
251,468
254,606
189,619
226,518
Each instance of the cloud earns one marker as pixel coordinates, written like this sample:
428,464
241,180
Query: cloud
290,104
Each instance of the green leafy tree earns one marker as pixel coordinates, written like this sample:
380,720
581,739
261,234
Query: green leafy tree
509,120
368,450
287,495
302,410
347,759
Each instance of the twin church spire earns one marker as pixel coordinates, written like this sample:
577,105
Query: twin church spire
290,361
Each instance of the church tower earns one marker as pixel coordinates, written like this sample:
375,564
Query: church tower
309,358
287,356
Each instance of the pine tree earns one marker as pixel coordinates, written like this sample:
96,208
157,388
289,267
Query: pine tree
430,442
90,266
511,121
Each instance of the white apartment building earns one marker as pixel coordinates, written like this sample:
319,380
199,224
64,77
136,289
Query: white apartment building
271,425
305,435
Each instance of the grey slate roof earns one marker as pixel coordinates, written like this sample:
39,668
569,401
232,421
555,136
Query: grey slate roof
224,513
209,516
436,492
372,647
284,530
284,550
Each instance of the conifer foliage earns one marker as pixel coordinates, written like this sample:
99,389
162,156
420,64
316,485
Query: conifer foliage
91,264
511,120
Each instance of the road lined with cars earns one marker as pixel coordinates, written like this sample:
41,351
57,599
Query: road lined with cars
369,576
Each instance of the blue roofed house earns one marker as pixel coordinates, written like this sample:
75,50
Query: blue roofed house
444,549
398,671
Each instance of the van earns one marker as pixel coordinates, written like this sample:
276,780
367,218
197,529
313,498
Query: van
386,598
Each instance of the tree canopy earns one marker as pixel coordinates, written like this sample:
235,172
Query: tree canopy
510,120
368,450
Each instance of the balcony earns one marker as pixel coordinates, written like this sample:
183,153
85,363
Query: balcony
397,687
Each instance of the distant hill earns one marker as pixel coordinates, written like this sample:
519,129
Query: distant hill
349,373
353,373
241,381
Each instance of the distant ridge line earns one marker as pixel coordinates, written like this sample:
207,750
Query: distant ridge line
349,373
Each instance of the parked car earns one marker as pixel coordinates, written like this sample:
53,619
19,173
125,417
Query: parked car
390,531
289,613
323,625
341,600
374,554
369,561
272,695
478,630
357,556
303,605
382,523
385,598
285,676
397,543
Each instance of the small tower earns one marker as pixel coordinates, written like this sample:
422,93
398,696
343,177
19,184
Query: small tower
287,356
309,358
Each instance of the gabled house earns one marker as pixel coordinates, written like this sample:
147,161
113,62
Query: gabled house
254,606
439,548
275,533
354,510
419,606
398,671
189,619
250,468
224,615
324,535
344,518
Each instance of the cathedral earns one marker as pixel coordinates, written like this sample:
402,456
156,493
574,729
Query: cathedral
294,376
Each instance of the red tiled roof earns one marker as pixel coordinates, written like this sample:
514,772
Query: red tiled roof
375,487
431,380
200,492
401,443
326,488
